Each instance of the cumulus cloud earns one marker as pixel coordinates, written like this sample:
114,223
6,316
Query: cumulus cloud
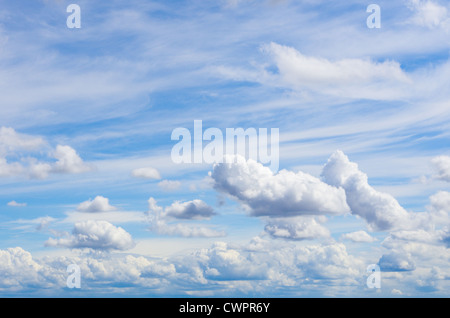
330,261
224,263
18,269
396,262
68,161
99,204
190,210
442,166
146,173
296,228
160,218
21,146
359,236
97,235
277,195
380,210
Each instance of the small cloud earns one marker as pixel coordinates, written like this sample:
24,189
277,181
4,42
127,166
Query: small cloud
16,204
68,161
99,204
146,173
169,185
159,217
191,210
396,292
359,237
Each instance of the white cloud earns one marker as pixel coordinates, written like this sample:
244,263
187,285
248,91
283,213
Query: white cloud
442,165
97,235
356,78
147,173
19,146
159,219
429,14
39,170
190,210
169,185
396,262
18,269
16,204
431,237
99,204
223,263
36,224
9,169
359,236
277,195
11,141
68,161
327,262
380,210
440,208
396,292
296,228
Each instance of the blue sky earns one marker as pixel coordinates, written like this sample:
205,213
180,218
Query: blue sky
87,178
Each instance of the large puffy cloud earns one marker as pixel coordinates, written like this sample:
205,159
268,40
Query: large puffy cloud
330,261
277,195
18,270
260,267
16,262
380,210
297,228
97,235
161,219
